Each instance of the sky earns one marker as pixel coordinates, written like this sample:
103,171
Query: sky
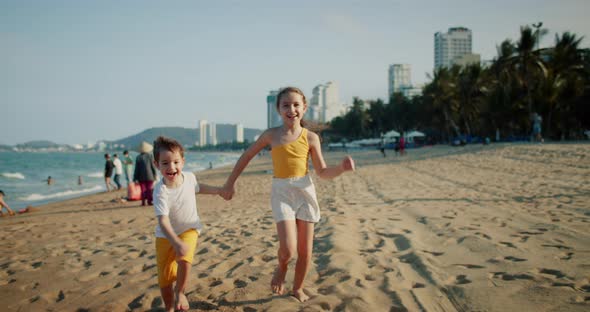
83,71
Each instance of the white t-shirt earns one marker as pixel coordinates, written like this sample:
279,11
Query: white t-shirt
179,204
118,166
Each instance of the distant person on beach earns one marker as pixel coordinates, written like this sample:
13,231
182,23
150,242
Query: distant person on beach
118,170
179,224
49,180
145,172
402,145
537,121
80,180
4,205
108,172
382,147
127,167
293,198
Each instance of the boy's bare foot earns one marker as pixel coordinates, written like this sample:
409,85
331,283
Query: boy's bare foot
300,295
277,282
182,303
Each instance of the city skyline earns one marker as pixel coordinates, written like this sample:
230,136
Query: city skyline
74,72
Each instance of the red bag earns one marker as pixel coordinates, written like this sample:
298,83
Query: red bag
133,191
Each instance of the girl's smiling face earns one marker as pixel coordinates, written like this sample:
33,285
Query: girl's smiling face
292,107
170,164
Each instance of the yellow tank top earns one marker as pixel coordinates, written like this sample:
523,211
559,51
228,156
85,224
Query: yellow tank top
290,160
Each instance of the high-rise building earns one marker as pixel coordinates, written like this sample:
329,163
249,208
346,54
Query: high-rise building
207,133
400,78
239,133
451,46
211,134
273,119
324,104
202,133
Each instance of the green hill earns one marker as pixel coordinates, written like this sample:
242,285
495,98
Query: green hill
186,136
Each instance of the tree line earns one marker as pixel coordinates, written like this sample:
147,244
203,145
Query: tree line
500,97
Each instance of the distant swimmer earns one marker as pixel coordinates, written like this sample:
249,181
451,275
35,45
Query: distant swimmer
49,180
79,180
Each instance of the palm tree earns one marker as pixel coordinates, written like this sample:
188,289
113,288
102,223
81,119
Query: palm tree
528,62
440,92
565,82
501,84
471,86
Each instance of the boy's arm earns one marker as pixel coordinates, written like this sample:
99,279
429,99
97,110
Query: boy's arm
264,140
319,164
179,246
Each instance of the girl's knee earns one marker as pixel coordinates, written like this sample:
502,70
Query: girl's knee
286,254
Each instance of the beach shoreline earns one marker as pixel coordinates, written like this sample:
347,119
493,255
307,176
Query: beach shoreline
490,228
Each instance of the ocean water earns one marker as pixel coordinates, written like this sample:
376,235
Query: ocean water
23,175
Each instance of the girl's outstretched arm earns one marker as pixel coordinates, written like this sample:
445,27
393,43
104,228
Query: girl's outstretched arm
264,140
319,164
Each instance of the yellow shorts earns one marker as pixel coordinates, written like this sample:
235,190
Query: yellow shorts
166,256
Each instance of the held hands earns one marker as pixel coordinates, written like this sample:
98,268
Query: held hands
347,164
227,192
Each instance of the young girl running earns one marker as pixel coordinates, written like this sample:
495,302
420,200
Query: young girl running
293,200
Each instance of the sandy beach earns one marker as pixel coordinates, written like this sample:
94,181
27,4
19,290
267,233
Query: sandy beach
475,228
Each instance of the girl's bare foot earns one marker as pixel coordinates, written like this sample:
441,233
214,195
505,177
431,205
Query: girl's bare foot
278,279
182,303
300,295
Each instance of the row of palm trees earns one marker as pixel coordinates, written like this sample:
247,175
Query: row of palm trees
498,98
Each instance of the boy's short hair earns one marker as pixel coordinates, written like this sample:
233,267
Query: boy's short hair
125,152
107,155
2,193
167,144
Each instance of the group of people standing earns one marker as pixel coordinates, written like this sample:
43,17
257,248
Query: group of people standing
144,173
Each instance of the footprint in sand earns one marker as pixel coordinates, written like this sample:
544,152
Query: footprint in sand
434,253
459,280
558,246
469,266
510,277
554,273
240,283
60,296
514,259
566,255
37,265
508,244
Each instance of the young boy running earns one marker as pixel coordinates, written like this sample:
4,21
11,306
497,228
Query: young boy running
178,225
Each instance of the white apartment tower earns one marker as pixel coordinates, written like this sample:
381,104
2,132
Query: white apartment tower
451,46
273,119
207,133
400,78
202,133
324,104
239,133
211,134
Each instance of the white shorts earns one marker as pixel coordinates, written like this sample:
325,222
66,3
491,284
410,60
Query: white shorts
294,198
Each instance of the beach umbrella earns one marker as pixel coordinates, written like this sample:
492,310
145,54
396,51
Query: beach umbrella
391,134
145,147
414,133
